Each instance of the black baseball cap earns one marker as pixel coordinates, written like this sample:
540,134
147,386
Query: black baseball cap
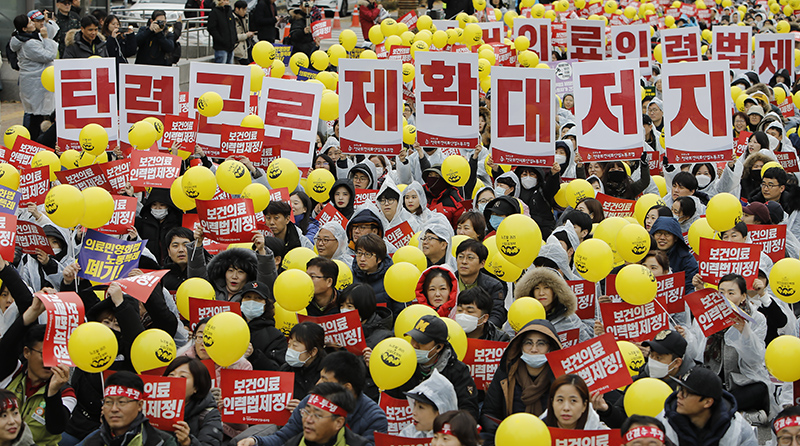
258,288
702,381
429,328
422,398
667,342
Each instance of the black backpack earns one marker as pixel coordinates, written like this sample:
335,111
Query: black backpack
11,55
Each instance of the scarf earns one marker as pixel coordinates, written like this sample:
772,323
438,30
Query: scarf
532,389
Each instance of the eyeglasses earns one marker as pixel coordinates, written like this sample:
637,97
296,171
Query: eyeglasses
387,200
120,403
769,185
366,254
429,238
538,344
469,258
198,336
366,227
484,201
321,164
305,413
34,350
787,440
324,241
315,277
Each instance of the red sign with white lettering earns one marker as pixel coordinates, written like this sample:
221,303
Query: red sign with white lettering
123,217
34,183
256,397
181,130
329,213
164,400
398,413
615,207
719,258
635,323
23,151
31,237
141,286
711,309
228,221
399,235
585,291
598,361
483,357
566,437
772,239
154,169
343,330
203,308
64,314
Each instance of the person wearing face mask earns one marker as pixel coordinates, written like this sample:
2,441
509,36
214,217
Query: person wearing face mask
439,192
498,209
751,171
537,193
617,180
434,352
472,314
666,360
157,217
481,197
268,343
304,357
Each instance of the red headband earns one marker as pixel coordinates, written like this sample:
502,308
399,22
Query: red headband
8,404
644,432
321,403
780,423
445,429
122,391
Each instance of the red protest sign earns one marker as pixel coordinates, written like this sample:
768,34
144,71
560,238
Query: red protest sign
538,33
118,174
181,130
209,244
364,195
615,207
34,183
740,144
164,399
281,194
8,231
256,397
241,141
398,413
483,357
83,177
711,309
144,91
680,45
229,221
670,291
570,337
399,235
410,19
141,286
343,330
598,361
719,258
635,323
585,291
123,217
23,151
772,53
587,40
787,110
771,238
87,94
329,213
154,169
382,439
321,29
31,237
732,43
64,314
788,161
565,437
203,308
401,53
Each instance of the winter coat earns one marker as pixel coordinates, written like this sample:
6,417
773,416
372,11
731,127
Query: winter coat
77,48
154,230
540,199
366,419
141,433
680,256
562,315
366,213
209,432
65,23
305,377
348,210
269,344
448,308
256,266
301,41
294,238
751,179
157,48
36,275
368,12
593,422
378,327
497,291
726,427
263,20
34,55
121,47
345,437
375,280
450,200
222,28
243,43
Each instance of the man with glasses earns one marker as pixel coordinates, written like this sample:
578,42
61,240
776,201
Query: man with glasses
365,220
773,184
786,426
325,418
323,273
370,263
435,243
123,422
701,413
391,209
331,241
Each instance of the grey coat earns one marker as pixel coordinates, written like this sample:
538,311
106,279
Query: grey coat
34,56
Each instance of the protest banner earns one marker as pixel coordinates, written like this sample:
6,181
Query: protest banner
204,308
608,112
9,200
446,94
401,53
31,237
711,309
398,412
183,104
771,238
697,111
772,53
118,174
330,213
680,45
570,337
632,42
8,232
34,183
64,314
585,292
87,94
23,152
615,207
140,287
83,177
523,138
718,258
241,141
635,323
232,83
538,33
290,111
256,397
104,258
365,195
399,235
164,401
181,130
788,161
146,91
370,118
493,31
123,218
580,437
342,330
410,19
382,439
321,29
227,221
732,43
587,40
598,361
154,169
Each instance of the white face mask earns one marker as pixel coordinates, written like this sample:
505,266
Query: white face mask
56,251
293,358
657,369
159,213
468,322
703,180
345,310
561,159
379,170
534,360
529,182
499,191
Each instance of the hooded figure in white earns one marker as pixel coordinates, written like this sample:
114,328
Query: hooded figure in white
424,214
400,212
441,228
476,194
341,172
29,267
437,390
341,237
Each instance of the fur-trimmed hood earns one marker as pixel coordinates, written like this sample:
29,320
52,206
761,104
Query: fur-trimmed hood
763,155
244,259
70,38
562,293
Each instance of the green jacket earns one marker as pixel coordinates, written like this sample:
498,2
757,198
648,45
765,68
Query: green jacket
32,410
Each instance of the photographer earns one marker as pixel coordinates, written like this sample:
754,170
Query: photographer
121,43
300,35
157,44
223,31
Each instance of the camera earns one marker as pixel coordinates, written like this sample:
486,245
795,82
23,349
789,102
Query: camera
306,4
161,23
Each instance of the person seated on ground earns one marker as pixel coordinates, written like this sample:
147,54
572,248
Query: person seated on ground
431,397
438,288
471,257
369,266
13,431
323,273
669,239
325,418
786,426
304,357
455,428
568,406
472,314
201,422
641,430
268,342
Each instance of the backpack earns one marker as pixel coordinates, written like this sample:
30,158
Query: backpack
13,60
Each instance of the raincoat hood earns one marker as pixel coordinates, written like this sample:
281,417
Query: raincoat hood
368,169
330,142
416,187
475,195
553,250
447,308
401,214
513,176
366,213
439,390
341,236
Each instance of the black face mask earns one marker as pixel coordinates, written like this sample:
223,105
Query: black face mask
755,174
435,184
617,176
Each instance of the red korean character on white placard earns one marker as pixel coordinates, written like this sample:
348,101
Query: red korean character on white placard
447,99
523,111
146,90
632,42
87,94
493,31
773,52
697,111
538,33
290,111
586,39
608,111
680,44
732,43
369,106
232,82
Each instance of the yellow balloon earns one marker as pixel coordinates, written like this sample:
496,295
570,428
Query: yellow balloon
707,35
256,77
456,337
152,349
388,27
412,255
179,197
9,176
376,36
93,138
64,205
11,134
194,287
610,7
226,338
368,54
519,239
419,45
739,101
607,231
298,60
699,229
320,182
486,83
646,397
784,280
522,43
142,134
723,212
630,12
780,94
455,241
593,259
49,159
488,55
293,289
278,69
633,243
392,363
643,205
636,284
455,170
345,277
577,190
424,22
233,176
661,183
329,108
407,37
524,310
439,38
92,347
561,196
102,207
657,49
770,165
632,356
528,59
336,52
285,320
69,159
157,125
522,428
252,122
199,183
782,356
408,317
348,39
408,72
282,172
735,92
209,104
48,79
783,26
297,258
400,281
263,53
503,269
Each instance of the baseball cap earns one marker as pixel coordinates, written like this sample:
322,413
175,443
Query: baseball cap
756,110
702,381
35,15
421,397
758,210
258,288
429,328
667,342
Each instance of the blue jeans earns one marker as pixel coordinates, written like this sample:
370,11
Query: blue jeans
223,56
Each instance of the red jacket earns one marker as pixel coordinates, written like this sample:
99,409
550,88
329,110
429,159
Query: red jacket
449,306
367,13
